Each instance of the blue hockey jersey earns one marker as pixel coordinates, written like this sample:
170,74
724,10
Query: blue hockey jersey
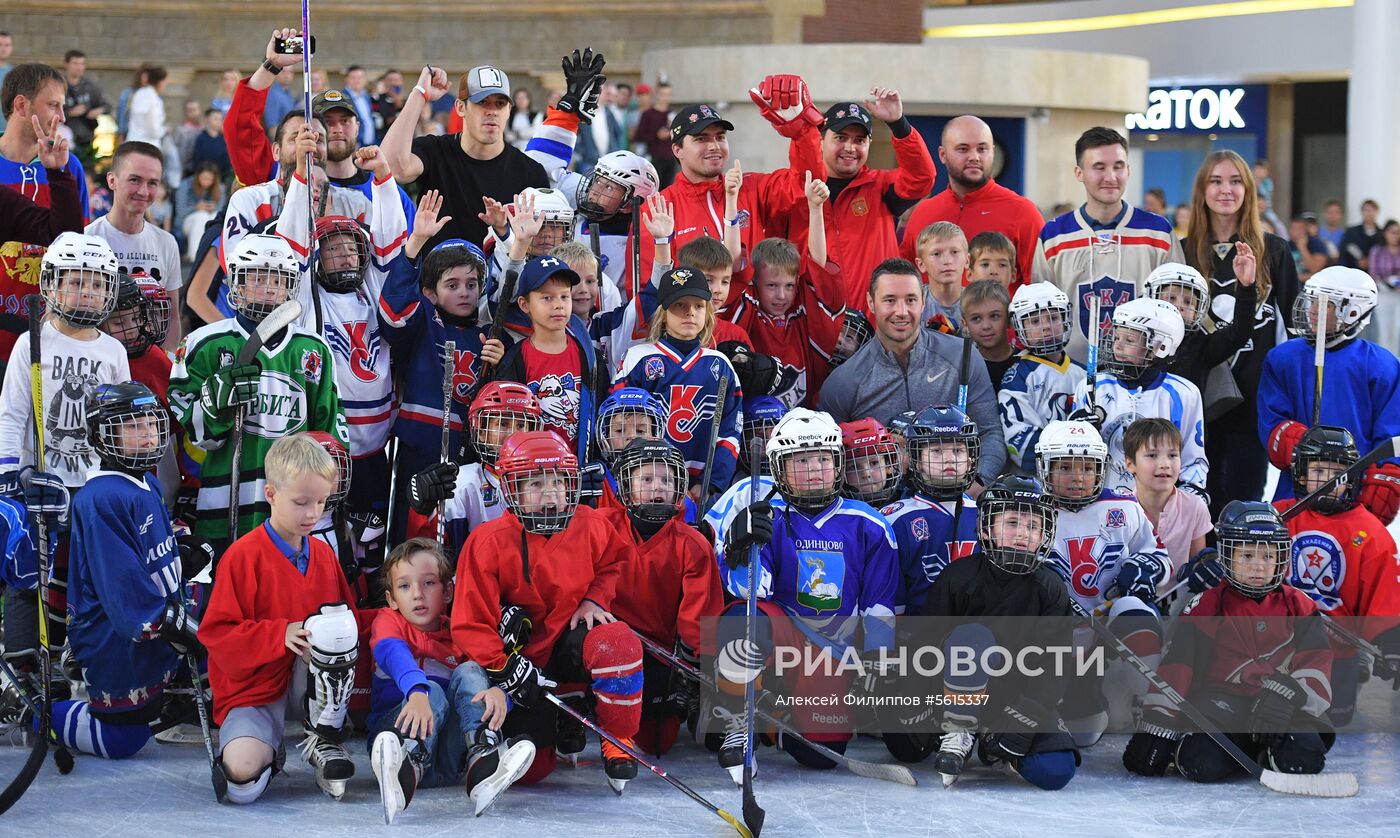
18,567
123,567
924,537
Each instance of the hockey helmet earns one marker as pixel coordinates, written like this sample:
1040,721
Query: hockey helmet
1350,299
262,274
874,462
651,479
78,279
944,451
499,410
1071,461
539,480
1183,287
128,426
1254,546
628,413
1145,333
1325,444
617,178
806,458
1040,315
1015,524
342,250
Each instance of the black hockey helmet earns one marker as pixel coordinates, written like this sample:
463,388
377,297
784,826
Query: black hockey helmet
651,479
1250,523
128,426
132,319
1331,444
856,332
1015,546
928,436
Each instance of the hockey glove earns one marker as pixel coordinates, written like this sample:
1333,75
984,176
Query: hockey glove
1282,439
196,553
514,628
1203,572
1387,665
588,111
1094,415
1151,749
752,527
367,528
1380,491
230,387
1280,696
683,692
1009,737
520,679
784,101
580,71
45,494
757,373
10,485
432,485
590,483
1138,577
703,527
877,678
180,630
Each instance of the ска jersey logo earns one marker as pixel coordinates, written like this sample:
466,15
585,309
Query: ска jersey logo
684,416
360,349
1090,575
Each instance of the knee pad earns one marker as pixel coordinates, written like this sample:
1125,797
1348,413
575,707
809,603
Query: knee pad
1050,770
245,793
335,649
911,747
612,655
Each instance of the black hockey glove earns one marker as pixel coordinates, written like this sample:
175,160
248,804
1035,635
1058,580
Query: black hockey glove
877,678
757,372
590,483
367,529
1280,696
180,630
752,527
45,494
703,527
432,485
1387,666
196,553
1151,749
1138,577
1093,415
1009,736
579,74
230,387
514,628
520,679
1203,572
588,111
683,692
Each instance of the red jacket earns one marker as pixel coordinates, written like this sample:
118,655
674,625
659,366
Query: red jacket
672,584
860,222
153,370
550,582
725,330
1348,564
991,207
248,148
258,593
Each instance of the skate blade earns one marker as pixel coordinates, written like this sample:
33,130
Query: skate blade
334,789
571,760
949,779
386,762
515,761
617,785
736,773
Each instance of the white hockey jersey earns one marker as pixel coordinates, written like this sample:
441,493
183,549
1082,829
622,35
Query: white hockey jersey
1167,396
1092,544
478,497
1034,392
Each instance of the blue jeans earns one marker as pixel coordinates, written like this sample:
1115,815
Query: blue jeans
455,720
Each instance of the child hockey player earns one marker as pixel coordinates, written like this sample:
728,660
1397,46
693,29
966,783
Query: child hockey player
1015,722
627,413
984,307
431,721
1360,391
138,321
1132,382
1185,288
282,633
941,254
1267,689
670,585
1106,551
554,566
938,522
685,375
713,259
1039,388
874,463
794,308
287,389
856,332
1343,557
991,255
826,566
1152,453
130,623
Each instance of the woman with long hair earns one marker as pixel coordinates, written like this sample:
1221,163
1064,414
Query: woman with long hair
199,200
524,119
1225,210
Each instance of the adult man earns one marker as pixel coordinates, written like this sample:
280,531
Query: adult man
30,90
973,200
388,99
1106,248
908,367
1358,241
1309,251
142,249
362,102
865,202
464,167
1332,229
22,220
654,134
7,45
83,104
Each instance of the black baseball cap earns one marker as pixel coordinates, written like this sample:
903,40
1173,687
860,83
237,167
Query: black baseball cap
679,283
694,119
842,114
328,100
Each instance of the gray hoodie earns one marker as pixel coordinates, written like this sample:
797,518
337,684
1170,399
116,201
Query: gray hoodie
872,383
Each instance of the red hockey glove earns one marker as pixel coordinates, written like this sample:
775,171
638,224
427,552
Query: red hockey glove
784,101
1380,491
1282,438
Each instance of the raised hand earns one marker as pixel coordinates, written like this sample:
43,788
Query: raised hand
371,159
526,221
582,76
280,59
308,143
53,146
1244,263
434,81
426,221
733,179
658,219
495,214
816,190
884,104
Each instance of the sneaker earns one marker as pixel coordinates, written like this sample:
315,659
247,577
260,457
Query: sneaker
731,749
492,766
332,764
952,754
396,768
618,764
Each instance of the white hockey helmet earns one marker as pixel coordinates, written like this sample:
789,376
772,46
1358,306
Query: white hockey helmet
1032,299
1078,442
1162,331
1351,297
1183,287
801,431
262,274
94,268
558,218
618,177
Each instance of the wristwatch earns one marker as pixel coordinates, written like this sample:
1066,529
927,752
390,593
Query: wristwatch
271,68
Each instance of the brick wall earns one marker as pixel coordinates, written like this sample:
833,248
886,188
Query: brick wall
866,21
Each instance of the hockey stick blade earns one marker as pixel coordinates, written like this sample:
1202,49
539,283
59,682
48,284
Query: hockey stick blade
276,320
216,770
1385,451
1336,784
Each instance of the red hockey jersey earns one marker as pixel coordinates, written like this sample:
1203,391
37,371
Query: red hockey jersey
1348,564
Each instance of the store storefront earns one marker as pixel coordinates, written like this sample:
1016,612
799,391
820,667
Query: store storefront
1183,124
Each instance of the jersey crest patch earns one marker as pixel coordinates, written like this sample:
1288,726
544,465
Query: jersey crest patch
1115,519
654,368
225,358
920,529
1319,568
816,571
311,365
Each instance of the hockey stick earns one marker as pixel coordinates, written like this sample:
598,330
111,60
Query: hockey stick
1385,451
650,766
277,320
61,757
449,370
1337,784
753,813
963,373
27,772
498,323
1361,643
216,769
714,444
1092,370
313,250
873,770
1319,357
636,253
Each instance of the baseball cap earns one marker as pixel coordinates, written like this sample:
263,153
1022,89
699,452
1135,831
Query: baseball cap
328,100
643,88
679,283
542,268
694,119
842,114
484,81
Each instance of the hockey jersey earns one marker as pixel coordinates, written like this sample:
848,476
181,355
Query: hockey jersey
405,657
1111,264
928,535
1347,564
835,572
686,379
1092,544
736,499
1035,392
296,392
477,499
123,567
1163,396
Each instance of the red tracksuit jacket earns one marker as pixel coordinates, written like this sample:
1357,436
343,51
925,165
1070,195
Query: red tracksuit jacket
991,207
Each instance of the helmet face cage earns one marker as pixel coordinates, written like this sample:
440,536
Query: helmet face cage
343,468
652,487
129,320
1043,330
1341,456
943,467
811,477
1016,535
855,333
1073,481
1254,566
132,437
255,290
1345,316
1126,351
156,318
1185,296
601,194
490,427
80,296
760,429
544,499
874,472
622,423
342,251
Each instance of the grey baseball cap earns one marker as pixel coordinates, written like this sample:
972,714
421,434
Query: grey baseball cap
484,81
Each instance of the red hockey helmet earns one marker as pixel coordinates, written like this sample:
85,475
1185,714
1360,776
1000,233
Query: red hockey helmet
539,479
342,466
874,463
343,250
499,410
